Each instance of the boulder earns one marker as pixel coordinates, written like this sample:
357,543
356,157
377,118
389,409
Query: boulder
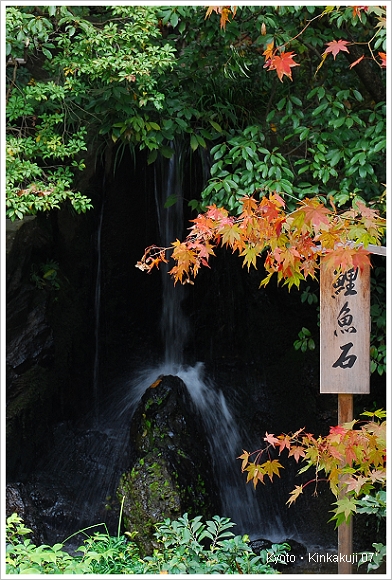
170,472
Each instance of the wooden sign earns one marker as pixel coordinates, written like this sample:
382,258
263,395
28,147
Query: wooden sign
344,331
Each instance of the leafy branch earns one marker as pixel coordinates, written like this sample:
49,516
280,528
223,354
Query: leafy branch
352,457
293,241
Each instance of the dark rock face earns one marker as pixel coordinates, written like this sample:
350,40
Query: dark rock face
171,468
18,501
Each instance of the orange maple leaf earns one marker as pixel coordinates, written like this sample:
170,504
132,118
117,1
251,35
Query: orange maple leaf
383,57
282,64
357,11
361,259
315,212
297,451
245,459
269,51
224,12
294,494
353,64
344,258
336,46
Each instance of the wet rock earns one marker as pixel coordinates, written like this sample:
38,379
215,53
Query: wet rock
171,468
18,501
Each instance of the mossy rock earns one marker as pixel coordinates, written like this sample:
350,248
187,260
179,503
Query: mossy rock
171,468
150,495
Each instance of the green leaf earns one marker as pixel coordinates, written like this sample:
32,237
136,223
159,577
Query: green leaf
194,142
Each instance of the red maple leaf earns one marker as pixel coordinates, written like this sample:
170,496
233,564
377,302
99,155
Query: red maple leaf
337,430
282,64
336,46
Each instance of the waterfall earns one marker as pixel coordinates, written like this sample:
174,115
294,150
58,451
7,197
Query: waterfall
168,187
239,501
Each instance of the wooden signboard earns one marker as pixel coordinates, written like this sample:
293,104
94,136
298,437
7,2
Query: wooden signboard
345,331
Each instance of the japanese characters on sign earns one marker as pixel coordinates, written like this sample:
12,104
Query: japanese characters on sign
344,331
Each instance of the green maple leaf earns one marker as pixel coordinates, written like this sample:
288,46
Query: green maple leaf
346,506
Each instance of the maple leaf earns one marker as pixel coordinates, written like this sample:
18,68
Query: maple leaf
294,494
297,451
216,213
344,258
378,475
361,259
270,438
250,253
284,442
355,483
282,64
315,212
256,473
350,454
269,51
383,57
344,510
224,12
249,206
353,64
245,459
357,11
336,46
338,429
203,224
334,452
272,467
230,234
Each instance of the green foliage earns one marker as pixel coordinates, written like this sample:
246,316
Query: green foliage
23,557
375,504
183,550
105,65
305,341
46,275
146,75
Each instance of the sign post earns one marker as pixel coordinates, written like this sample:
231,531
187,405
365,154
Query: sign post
345,357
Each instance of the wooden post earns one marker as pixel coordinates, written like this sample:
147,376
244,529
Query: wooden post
345,358
345,531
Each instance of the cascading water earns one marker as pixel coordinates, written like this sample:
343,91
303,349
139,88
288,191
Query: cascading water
238,500
174,324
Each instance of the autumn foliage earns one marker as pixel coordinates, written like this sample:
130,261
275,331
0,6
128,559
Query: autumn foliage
351,459
282,61
293,242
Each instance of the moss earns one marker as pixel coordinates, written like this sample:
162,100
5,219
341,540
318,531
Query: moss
150,496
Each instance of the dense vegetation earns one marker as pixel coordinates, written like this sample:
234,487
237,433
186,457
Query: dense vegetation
81,77
184,546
